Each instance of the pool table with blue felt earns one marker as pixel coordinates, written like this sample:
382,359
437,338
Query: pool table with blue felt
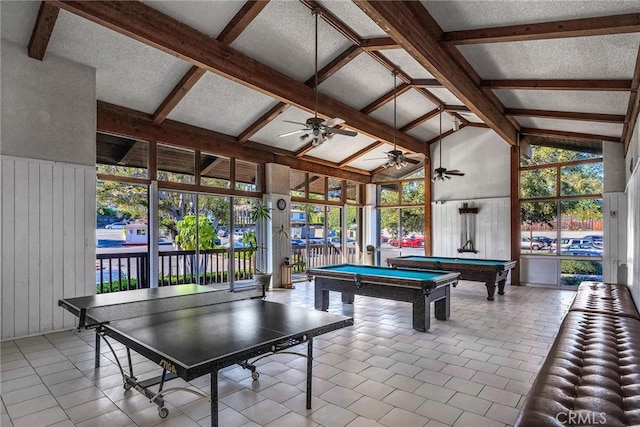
419,287
489,271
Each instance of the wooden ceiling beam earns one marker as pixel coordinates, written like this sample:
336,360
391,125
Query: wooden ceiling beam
379,43
327,71
234,28
456,108
567,115
415,30
336,64
334,22
634,107
131,152
387,97
116,120
444,135
584,27
591,85
304,150
570,135
264,120
212,165
360,153
321,169
149,26
426,83
417,122
42,30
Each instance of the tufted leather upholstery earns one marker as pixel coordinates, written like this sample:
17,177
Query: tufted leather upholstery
605,298
591,375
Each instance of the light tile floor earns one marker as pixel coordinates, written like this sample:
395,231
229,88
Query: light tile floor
472,370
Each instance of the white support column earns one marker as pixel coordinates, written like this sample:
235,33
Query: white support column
279,228
370,219
154,237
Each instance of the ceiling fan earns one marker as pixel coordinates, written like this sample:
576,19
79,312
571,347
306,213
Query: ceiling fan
440,173
316,129
396,157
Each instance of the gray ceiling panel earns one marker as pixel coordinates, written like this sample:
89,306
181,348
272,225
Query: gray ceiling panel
606,129
128,73
283,37
565,100
359,83
201,15
598,57
466,15
222,105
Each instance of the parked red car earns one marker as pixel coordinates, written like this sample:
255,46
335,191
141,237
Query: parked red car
409,242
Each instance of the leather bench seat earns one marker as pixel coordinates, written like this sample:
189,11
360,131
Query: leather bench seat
605,298
591,374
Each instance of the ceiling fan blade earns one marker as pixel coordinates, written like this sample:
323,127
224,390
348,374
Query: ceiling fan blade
333,122
292,133
454,173
341,131
376,158
295,123
418,156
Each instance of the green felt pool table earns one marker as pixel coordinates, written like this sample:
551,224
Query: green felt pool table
489,271
419,287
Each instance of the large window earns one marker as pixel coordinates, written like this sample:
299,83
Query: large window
401,218
202,203
561,211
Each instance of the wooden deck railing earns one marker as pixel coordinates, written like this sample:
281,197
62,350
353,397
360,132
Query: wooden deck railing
130,270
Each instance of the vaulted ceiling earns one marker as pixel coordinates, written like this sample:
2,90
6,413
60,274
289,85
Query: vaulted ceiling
227,77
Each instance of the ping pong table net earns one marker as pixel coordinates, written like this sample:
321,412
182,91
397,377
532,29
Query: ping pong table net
95,316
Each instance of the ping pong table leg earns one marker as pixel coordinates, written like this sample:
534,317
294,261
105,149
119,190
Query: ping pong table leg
309,370
97,349
214,397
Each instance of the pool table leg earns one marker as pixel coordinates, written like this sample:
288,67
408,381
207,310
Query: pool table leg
491,290
321,301
501,287
348,297
442,306
421,313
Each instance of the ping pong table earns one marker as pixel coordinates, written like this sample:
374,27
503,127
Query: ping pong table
192,330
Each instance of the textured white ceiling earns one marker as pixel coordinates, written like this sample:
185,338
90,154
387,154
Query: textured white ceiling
358,83
339,147
610,129
355,18
199,14
128,73
465,15
406,63
222,105
565,100
601,57
411,105
283,37
139,77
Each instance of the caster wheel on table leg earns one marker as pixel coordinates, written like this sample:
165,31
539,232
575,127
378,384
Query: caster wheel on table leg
127,386
255,375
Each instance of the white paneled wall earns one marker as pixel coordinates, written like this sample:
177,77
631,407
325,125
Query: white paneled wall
48,242
633,237
492,228
614,214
